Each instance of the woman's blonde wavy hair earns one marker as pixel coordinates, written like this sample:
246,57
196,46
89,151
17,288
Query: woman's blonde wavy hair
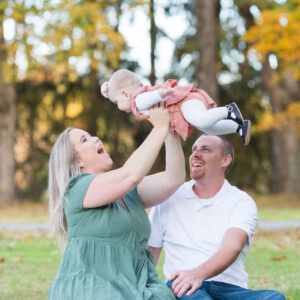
63,165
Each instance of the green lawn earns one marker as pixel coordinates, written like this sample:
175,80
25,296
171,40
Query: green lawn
270,207
277,207
29,261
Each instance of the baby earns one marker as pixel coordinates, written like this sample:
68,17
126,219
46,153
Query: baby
189,107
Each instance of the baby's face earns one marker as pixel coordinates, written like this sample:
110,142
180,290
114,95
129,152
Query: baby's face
123,101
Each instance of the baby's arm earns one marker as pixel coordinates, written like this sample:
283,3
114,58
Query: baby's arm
147,99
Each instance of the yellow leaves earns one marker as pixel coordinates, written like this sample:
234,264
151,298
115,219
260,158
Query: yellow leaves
82,29
61,88
48,99
74,109
72,76
266,123
270,121
19,13
277,31
58,112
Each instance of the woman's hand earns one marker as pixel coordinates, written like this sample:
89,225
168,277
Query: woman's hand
159,116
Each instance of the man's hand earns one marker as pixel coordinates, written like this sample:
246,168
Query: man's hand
186,281
163,93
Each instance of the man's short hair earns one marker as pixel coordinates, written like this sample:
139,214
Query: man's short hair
226,148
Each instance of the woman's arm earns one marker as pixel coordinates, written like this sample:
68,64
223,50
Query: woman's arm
112,185
156,188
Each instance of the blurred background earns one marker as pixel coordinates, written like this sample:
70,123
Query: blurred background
54,55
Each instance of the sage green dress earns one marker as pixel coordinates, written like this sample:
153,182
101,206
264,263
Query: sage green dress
106,257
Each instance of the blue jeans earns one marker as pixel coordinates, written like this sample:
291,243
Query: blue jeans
215,290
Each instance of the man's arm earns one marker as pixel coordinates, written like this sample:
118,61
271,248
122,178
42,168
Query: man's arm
191,280
155,253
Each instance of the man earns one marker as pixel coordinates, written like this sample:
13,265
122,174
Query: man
206,228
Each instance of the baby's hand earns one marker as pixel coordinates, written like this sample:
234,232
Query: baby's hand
163,93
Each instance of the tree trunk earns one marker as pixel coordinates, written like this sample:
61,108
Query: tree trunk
7,131
285,142
153,31
206,13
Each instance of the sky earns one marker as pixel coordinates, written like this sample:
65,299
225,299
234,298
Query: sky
137,37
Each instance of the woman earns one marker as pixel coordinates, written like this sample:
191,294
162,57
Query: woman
101,214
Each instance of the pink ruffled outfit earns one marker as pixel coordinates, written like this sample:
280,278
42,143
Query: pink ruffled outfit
181,94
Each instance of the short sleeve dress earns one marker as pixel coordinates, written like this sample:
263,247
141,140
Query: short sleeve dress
106,257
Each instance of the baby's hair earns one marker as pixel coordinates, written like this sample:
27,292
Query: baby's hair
119,81
104,89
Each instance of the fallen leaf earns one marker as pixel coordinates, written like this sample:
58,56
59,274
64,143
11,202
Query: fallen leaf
17,259
279,258
264,280
2,260
281,246
29,239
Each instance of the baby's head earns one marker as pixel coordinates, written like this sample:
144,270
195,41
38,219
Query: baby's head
120,88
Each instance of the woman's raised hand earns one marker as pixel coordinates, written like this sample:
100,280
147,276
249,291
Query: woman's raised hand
159,116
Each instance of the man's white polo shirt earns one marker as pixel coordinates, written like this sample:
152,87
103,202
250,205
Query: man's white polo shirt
191,229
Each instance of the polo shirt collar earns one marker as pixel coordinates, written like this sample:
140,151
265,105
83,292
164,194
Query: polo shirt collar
215,200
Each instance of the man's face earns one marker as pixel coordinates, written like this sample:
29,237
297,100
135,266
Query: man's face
206,160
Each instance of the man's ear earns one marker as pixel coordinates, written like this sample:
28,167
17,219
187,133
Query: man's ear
227,159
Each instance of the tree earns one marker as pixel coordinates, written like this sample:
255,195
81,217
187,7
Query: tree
207,26
275,38
7,128
53,92
8,101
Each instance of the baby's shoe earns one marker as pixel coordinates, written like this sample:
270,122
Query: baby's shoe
245,132
234,113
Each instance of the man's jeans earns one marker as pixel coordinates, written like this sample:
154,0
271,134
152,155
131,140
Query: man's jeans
215,290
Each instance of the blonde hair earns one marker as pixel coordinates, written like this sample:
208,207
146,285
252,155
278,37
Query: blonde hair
119,81
63,165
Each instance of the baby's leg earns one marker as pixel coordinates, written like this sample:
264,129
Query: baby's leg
195,113
222,127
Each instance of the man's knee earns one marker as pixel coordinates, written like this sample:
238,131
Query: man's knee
276,295
197,295
269,295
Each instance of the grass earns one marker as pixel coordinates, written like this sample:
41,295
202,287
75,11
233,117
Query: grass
270,207
27,212
273,261
28,264
278,207
29,259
